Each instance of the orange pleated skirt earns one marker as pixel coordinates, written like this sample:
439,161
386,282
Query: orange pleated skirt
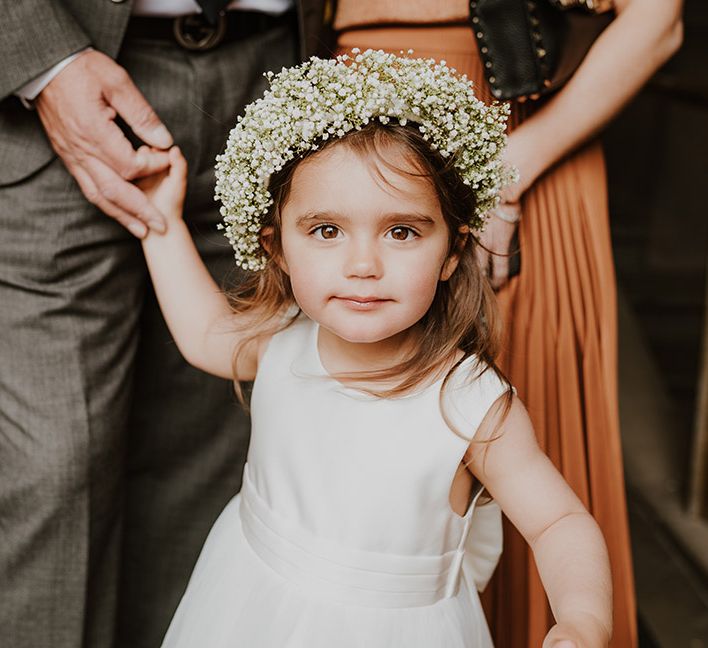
560,349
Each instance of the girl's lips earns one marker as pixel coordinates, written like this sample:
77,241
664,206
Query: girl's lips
362,303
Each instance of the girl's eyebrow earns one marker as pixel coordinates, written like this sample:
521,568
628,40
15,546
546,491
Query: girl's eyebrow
309,218
407,217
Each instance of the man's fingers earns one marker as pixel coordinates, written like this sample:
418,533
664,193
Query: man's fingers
125,97
112,147
111,189
148,162
126,195
93,195
78,112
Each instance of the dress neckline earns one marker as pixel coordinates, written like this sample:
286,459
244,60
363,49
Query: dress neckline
311,362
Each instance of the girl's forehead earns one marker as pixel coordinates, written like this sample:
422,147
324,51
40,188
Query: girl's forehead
383,151
343,174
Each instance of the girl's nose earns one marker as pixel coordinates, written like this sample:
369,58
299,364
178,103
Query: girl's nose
363,261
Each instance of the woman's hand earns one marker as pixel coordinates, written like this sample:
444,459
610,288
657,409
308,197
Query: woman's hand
166,189
504,220
497,239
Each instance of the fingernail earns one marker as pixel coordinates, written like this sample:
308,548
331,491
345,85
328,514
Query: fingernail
158,226
162,137
137,229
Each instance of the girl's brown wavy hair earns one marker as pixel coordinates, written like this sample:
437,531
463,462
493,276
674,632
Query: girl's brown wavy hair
463,315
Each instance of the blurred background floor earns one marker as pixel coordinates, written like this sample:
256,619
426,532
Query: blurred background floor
657,155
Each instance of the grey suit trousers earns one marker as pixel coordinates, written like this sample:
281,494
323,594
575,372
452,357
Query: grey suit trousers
115,455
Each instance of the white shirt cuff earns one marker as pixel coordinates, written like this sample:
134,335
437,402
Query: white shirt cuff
28,92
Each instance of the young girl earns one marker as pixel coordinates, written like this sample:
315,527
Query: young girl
349,191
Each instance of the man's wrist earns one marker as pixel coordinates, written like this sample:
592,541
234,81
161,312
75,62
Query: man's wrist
29,92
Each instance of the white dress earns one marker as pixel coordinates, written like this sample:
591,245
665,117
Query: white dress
342,535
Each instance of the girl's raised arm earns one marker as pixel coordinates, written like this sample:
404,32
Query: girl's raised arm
567,543
196,310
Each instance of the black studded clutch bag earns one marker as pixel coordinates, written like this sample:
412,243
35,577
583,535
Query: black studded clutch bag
532,47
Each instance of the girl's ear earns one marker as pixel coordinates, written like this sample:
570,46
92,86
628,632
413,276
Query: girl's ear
453,260
267,237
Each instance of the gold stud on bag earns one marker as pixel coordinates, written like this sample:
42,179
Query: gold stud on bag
532,47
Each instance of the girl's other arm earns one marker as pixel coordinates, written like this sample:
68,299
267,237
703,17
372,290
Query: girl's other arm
567,543
196,311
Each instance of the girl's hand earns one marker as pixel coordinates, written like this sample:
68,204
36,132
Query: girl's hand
166,189
584,633
563,635
496,238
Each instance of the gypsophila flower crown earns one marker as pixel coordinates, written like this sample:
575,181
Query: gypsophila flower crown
327,98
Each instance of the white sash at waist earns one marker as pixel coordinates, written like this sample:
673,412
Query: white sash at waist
343,574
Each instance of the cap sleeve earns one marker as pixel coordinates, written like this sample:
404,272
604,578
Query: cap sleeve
469,393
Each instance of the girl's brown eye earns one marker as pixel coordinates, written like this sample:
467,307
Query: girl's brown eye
400,233
327,231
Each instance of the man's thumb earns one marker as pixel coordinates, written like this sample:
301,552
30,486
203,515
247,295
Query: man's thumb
130,104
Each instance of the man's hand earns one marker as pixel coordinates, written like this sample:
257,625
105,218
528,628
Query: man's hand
78,110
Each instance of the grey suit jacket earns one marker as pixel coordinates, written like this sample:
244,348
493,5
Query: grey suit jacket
37,34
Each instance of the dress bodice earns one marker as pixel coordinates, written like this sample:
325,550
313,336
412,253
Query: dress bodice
368,473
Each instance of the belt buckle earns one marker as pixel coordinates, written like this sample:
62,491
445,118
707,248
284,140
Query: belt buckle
193,31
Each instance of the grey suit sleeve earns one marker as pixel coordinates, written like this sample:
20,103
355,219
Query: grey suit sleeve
36,34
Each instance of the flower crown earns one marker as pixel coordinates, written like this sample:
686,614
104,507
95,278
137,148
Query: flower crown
327,98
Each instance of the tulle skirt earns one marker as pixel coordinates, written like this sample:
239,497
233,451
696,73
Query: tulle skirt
236,597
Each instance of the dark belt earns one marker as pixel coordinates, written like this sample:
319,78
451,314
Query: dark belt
193,32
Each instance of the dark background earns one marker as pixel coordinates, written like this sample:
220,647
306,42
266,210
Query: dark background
657,158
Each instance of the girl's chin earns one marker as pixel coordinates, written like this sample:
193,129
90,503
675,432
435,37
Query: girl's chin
359,338
371,335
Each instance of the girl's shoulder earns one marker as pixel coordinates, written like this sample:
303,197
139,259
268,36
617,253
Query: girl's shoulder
476,374
469,392
290,334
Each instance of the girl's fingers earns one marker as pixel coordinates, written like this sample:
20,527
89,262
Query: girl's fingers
178,165
149,161
178,173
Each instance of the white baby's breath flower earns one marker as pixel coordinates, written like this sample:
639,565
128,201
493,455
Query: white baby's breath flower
325,98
